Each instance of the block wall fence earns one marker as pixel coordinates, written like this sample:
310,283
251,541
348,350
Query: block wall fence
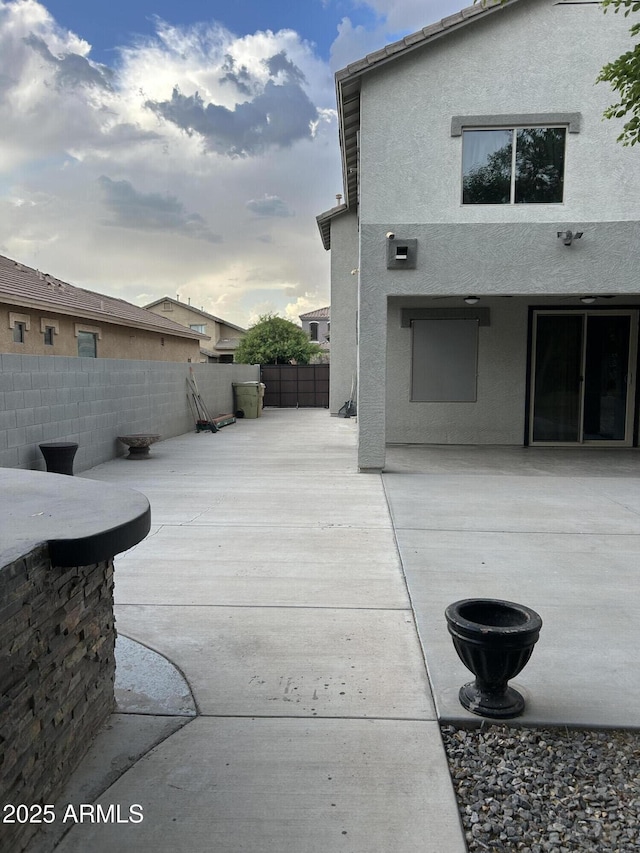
92,401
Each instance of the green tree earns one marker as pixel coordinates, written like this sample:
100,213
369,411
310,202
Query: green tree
274,340
624,76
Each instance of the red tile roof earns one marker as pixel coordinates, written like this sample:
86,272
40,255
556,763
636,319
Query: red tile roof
23,286
318,314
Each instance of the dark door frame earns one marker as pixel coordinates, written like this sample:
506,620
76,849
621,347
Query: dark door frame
583,309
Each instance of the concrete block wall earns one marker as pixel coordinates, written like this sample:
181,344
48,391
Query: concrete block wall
92,401
57,669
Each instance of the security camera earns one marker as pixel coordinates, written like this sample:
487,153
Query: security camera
391,235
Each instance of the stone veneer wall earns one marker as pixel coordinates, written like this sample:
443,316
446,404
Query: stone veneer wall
94,400
57,668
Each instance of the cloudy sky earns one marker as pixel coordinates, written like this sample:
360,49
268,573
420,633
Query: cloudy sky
153,148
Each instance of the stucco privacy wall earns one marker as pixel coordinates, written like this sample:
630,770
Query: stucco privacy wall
497,416
534,57
537,56
92,401
344,303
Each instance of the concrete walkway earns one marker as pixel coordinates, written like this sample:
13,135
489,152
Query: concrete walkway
271,580
272,687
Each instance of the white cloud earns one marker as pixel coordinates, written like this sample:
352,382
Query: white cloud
393,19
302,305
107,193
269,205
151,211
125,179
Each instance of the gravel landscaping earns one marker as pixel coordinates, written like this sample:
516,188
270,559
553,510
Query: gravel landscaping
539,790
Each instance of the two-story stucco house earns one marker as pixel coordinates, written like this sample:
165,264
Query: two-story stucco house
317,325
224,336
485,260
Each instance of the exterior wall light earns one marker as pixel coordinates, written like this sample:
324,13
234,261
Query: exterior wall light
568,237
401,254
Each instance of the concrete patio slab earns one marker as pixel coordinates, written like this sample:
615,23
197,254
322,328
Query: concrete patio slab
269,661
331,566
271,579
525,461
566,544
118,746
509,503
285,785
284,605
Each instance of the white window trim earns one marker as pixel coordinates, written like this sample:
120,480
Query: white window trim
19,318
81,327
46,323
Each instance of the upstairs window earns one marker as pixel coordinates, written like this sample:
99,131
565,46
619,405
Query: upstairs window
313,331
198,327
19,330
522,165
48,333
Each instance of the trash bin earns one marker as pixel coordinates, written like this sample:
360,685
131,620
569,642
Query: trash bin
248,398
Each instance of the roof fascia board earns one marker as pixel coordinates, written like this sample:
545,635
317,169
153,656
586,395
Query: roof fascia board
37,305
323,221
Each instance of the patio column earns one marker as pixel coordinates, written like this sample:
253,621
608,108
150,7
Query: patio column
372,373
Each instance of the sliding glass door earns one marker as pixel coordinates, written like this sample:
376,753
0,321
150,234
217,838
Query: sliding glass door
582,377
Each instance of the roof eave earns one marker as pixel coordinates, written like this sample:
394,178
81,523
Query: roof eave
98,317
348,82
196,310
324,220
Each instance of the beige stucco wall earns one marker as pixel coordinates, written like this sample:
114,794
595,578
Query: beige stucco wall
113,341
186,315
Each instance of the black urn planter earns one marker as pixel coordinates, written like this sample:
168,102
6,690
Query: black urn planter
59,456
494,639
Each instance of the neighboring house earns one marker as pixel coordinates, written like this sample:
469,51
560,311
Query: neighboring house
485,259
317,325
224,336
42,315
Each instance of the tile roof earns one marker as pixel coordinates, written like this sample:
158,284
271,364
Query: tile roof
318,314
228,343
348,82
21,285
196,311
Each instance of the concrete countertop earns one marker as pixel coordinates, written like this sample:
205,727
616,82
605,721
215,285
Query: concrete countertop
83,521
